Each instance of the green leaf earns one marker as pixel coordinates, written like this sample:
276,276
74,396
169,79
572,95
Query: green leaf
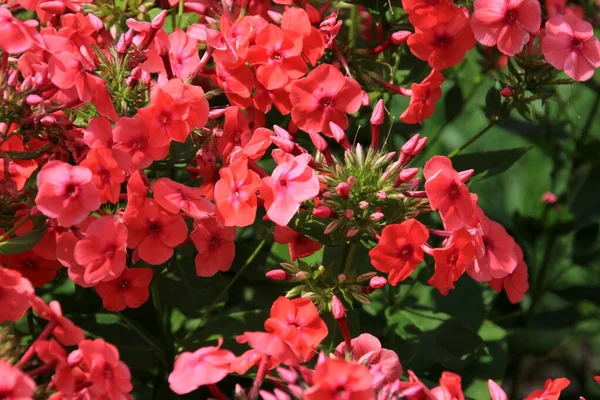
536,341
453,102
488,163
24,242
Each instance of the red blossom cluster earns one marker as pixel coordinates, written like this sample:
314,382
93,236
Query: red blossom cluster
105,131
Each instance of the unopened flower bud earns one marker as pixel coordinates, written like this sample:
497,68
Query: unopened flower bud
337,308
239,392
377,282
301,275
343,189
365,99
363,205
48,121
287,374
376,216
311,296
381,195
322,212
339,135
466,175
400,37
216,113
74,358
333,226
342,278
365,277
549,198
506,92
352,232
349,213
351,180
159,20
275,16
361,297
33,99
53,7
124,42
378,113
195,7
278,275
408,174
13,78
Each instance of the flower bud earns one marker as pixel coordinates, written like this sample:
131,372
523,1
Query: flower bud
312,296
124,41
381,195
322,212
53,7
376,216
351,180
378,113
339,135
549,198
365,99
195,7
408,174
363,205
342,278
361,297
33,99
159,20
278,275
287,374
333,226
74,358
13,78
351,232
506,92
400,37
466,175
343,189
349,213
365,277
275,16
338,308
48,121
239,392
318,141
95,22
301,275
377,282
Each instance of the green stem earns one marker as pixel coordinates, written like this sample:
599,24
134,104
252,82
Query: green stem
14,228
180,14
474,138
349,251
353,27
216,301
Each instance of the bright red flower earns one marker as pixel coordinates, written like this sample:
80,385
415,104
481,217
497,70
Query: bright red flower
17,36
297,323
130,289
173,197
132,136
277,54
205,366
106,174
445,44
551,391
66,193
423,98
324,96
340,379
237,83
66,332
15,292
499,257
452,260
175,110
215,246
252,358
514,284
427,14
65,249
18,170
569,44
15,385
295,19
103,251
109,376
450,387
366,349
154,233
291,183
51,352
271,345
183,54
99,133
448,194
300,246
399,249
506,23
36,269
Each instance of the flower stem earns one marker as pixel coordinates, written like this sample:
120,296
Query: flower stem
216,301
260,375
474,138
348,255
31,350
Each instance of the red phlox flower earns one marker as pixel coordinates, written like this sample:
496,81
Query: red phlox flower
175,110
132,136
215,245
551,390
324,96
15,292
506,23
384,364
235,194
103,250
106,174
423,98
271,345
17,36
222,48
277,54
249,359
445,44
46,247
516,283
499,257
154,233
448,194
173,197
136,196
338,378
450,387
240,34
50,352
65,253
300,246
109,376
452,260
555,7
236,132
36,269
569,44
264,99
205,366
291,183
296,20
427,14
183,54
99,133
18,170
66,193
329,29
130,289
66,332
15,384
399,249
237,83
297,323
